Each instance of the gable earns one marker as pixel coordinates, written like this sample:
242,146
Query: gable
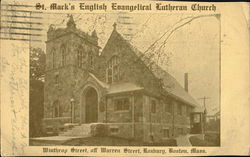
150,78
114,46
131,69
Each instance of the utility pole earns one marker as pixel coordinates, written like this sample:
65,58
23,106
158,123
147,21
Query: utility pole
205,110
204,102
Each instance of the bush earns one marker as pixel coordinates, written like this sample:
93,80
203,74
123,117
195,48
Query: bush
213,138
169,142
195,141
99,130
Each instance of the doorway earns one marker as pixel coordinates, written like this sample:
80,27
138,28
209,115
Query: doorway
91,104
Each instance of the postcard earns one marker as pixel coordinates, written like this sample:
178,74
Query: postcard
123,78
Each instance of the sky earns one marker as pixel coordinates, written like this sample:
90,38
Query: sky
193,48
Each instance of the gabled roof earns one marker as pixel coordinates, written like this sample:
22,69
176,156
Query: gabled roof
102,84
170,84
123,87
117,87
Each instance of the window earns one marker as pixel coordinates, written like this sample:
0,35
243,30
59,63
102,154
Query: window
180,131
56,109
188,111
166,133
196,118
109,76
63,51
179,109
116,73
114,129
121,104
91,62
81,57
184,109
57,79
153,106
113,69
168,107
53,58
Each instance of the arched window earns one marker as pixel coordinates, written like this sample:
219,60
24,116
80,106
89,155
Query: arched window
179,109
91,62
56,109
168,106
81,57
153,106
63,52
113,69
53,58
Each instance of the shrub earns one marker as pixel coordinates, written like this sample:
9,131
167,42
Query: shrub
99,130
195,141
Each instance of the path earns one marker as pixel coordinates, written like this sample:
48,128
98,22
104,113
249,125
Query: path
183,140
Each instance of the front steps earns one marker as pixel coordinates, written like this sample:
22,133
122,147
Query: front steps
82,130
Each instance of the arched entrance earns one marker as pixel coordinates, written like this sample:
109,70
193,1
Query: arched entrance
91,106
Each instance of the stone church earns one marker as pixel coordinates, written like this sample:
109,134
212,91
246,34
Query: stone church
114,87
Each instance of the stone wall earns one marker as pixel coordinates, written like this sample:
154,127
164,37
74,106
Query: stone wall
156,122
55,125
61,91
118,116
132,69
63,82
80,88
123,130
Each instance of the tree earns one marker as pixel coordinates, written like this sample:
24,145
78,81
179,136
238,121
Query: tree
37,64
37,71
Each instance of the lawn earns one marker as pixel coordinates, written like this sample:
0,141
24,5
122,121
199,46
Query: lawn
209,140
116,141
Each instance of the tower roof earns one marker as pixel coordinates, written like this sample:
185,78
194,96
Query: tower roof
114,26
71,22
54,33
94,34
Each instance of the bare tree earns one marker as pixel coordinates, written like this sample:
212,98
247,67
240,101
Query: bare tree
156,50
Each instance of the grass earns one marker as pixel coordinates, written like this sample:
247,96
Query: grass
169,142
116,141
210,140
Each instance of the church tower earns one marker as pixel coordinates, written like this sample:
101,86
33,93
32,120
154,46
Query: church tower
71,55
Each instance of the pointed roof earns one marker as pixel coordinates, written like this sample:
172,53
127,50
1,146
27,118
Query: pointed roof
170,84
114,36
116,88
94,34
71,22
54,33
123,87
114,26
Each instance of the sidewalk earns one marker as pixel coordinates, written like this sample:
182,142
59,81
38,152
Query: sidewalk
183,140
52,140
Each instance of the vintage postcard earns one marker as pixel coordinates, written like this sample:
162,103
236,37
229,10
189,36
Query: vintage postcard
123,78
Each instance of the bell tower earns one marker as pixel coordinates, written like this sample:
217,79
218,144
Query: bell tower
70,55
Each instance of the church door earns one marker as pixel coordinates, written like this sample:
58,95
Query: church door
91,110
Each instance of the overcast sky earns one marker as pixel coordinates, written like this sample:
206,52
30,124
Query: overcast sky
193,48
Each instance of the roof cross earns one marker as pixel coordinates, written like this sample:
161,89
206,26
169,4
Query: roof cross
114,25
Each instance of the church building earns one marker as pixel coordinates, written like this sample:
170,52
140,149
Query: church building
114,87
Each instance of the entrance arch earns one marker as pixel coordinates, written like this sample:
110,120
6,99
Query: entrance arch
91,106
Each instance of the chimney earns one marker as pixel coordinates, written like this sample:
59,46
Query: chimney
186,82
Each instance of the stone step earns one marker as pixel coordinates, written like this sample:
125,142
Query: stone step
79,130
